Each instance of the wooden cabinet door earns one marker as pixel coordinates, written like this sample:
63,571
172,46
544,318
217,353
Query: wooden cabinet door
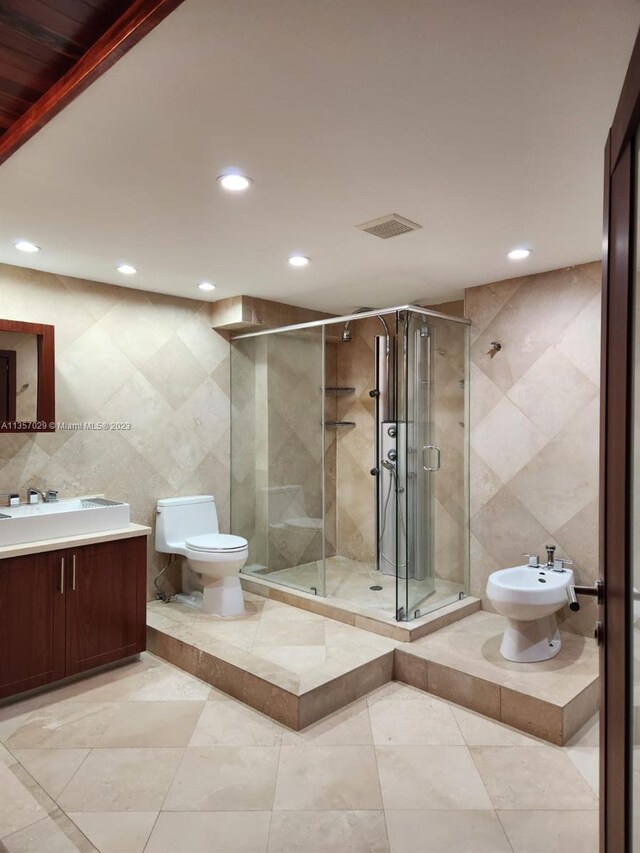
32,621
105,603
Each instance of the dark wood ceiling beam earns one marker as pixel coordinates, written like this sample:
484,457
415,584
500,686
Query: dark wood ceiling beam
139,19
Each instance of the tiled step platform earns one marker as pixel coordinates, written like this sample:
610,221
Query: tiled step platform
298,666
462,663
291,664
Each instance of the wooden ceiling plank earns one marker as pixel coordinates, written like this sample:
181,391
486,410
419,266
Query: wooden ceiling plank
37,32
52,19
10,87
10,102
31,78
140,18
38,50
101,13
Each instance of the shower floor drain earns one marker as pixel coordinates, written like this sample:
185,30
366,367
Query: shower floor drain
375,588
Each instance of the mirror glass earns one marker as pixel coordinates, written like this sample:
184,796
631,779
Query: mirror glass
18,376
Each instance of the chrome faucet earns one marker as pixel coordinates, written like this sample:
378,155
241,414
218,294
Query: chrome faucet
49,496
10,499
551,551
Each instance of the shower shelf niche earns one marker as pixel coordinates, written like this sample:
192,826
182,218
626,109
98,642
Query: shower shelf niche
337,389
336,424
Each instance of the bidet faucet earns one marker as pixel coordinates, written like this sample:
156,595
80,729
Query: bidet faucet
551,561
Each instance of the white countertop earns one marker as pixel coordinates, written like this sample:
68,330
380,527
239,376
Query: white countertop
72,541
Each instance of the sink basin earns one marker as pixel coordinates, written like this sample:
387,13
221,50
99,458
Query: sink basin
73,517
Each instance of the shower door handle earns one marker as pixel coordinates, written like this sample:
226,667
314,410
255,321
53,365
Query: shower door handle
425,464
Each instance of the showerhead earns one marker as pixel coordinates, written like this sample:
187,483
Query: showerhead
388,465
346,336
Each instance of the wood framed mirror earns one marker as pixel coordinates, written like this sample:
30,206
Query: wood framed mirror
27,377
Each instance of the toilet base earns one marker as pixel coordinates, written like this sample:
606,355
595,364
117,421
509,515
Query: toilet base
222,596
528,642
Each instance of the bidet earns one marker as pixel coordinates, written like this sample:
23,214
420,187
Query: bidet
529,596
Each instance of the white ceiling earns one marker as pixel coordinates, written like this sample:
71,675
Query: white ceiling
482,120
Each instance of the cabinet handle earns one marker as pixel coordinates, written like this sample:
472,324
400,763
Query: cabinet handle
62,575
73,573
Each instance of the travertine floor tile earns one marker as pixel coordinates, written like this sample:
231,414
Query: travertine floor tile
587,761
118,780
45,836
395,690
446,832
225,723
6,757
202,832
430,777
64,725
169,684
52,769
116,832
350,726
524,778
478,730
551,831
224,778
407,721
151,724
327,778
19,807
328,832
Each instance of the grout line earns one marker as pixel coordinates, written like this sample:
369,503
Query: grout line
497,814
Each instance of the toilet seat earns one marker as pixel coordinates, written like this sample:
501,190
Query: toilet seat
216,543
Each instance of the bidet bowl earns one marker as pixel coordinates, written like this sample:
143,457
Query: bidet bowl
525,593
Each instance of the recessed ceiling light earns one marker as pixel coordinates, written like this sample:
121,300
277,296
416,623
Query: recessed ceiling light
235,182
518,254
299,260
26,246
126,269
206,285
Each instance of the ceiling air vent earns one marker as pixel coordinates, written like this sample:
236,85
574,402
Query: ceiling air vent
389,226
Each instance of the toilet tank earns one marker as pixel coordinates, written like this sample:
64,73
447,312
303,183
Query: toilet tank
180,518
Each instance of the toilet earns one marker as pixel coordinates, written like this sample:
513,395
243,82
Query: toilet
189,526
529,596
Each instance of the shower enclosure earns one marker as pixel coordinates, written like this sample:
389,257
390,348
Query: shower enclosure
349,458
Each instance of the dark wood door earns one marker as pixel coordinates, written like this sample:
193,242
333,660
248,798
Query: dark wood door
105,603
620,477
32,621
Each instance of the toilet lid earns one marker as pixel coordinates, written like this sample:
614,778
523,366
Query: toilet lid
216,542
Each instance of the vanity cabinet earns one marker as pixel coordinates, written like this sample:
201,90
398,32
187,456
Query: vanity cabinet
66,611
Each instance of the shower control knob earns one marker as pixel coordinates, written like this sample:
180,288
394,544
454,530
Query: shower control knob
374,393
374,472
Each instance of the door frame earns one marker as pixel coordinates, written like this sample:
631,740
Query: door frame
618,278
10,356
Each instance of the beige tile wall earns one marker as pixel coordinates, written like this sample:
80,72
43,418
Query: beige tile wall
124,355
535,423
355,446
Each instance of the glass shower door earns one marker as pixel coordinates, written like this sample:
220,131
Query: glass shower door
432,510
277,441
